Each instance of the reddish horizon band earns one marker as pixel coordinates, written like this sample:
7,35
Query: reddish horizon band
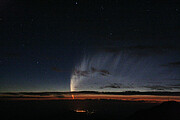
144,98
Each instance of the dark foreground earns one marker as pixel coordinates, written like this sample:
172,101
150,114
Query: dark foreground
88,110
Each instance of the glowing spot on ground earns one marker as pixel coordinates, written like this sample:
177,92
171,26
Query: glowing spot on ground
80,111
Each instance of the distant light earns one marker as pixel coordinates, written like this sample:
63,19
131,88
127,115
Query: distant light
84,111
80,111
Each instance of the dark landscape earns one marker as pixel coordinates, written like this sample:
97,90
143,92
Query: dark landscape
90,59
92,110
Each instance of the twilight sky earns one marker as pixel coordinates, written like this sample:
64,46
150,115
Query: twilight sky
89,45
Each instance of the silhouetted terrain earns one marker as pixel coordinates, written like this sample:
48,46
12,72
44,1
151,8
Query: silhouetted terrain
93,110
165,111
64,109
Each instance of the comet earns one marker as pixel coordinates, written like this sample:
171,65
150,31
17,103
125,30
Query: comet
104,71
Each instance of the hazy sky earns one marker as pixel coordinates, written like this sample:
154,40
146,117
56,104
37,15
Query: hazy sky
102,45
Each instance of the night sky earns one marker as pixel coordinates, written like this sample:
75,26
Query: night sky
108,45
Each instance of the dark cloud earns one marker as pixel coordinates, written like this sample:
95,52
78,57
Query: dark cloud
172,64
116,85
56,69
175,86
35,93
9,93
160,87
101,71
104,72
22,97
61,94
91,71
32,95
94,69
178,85
162,93
81,73
175,79
112,86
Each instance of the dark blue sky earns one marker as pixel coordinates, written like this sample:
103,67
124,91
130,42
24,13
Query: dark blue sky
41,43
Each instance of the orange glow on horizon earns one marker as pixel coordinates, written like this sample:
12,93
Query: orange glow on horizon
144,98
